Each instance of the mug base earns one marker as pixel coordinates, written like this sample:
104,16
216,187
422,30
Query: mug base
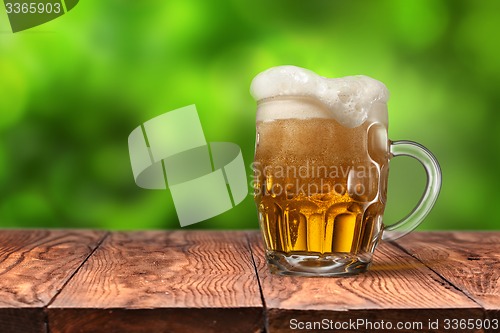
311,264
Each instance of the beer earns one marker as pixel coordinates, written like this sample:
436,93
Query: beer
318,186
321,169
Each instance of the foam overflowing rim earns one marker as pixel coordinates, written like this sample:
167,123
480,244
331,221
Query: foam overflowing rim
349,99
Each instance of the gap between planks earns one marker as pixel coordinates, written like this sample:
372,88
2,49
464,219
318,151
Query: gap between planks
107,233
442,276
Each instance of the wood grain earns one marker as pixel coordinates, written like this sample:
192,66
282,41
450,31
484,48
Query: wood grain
34,266
468,260
193,281
178,281
397,287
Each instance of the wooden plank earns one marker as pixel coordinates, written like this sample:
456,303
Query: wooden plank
157,281
398,288
468,260
34,266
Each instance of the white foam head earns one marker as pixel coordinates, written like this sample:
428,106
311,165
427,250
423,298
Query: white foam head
348,100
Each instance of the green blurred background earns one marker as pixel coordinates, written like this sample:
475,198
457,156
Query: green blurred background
73,89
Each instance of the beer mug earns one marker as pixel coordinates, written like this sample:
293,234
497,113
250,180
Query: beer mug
321,168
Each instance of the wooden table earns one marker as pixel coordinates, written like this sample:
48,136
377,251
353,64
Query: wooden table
213,281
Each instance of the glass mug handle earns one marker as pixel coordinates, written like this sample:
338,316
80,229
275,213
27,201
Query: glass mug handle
428,199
